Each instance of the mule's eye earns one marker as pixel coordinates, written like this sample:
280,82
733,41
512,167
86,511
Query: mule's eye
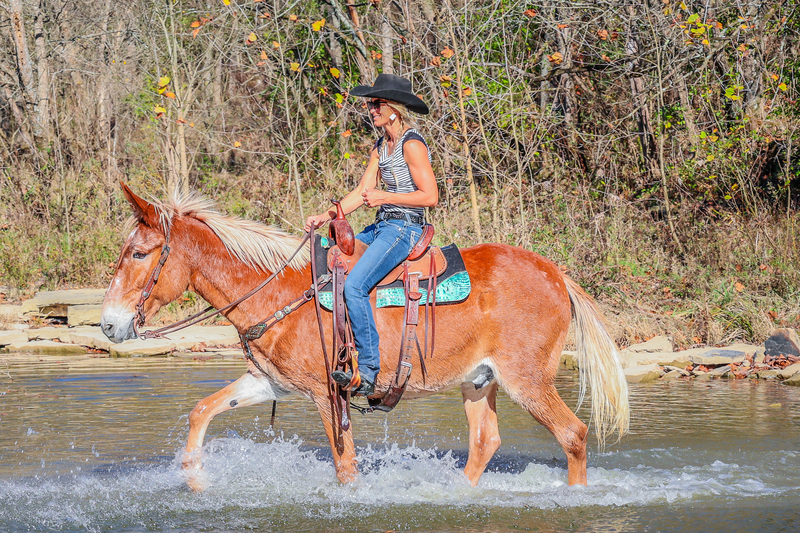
139,255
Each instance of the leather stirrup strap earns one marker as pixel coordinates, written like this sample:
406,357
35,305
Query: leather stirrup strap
411,319
333,390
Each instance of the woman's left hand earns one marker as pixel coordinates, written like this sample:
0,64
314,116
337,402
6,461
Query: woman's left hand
374,197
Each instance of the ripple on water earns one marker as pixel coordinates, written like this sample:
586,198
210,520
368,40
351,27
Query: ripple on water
98,450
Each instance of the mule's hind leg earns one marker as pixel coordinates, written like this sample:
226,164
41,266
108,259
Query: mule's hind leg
484,437
245,391
547,407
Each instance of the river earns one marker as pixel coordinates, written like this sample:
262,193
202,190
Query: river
93,444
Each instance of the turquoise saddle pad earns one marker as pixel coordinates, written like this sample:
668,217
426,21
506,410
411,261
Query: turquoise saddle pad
452,286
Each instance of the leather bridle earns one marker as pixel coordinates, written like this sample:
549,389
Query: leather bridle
139,319
206,313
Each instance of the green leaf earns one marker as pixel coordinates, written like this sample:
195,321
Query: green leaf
693,18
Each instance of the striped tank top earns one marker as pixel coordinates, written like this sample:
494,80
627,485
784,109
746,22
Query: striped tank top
396,174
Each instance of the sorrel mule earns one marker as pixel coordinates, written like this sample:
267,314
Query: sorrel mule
508,333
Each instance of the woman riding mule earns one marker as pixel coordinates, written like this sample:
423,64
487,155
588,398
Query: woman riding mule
508,333
403,161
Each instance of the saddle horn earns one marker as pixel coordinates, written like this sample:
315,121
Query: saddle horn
341,232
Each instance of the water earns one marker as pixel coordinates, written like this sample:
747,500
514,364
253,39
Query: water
93,445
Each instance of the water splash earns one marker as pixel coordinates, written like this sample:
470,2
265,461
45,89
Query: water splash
283,482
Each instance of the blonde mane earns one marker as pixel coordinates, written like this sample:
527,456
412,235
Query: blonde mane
257,245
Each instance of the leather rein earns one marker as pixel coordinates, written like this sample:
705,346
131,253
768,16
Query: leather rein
209,311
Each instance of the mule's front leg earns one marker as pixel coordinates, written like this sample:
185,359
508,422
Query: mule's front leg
247,390
344,451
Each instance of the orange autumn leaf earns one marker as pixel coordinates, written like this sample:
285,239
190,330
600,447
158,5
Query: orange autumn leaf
293,18
562,26
170,94
556,58
195,32
237,144
447,53
467,91
195,24
738,286
530,13
603,34
436,61
346,133
263,54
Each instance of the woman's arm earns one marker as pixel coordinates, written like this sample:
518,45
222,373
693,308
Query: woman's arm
427,193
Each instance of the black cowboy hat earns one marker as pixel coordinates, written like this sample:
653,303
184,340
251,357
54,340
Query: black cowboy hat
395,88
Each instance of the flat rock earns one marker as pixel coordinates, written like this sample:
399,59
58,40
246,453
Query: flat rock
632,359
146,348
767,374
748,349
45,334
643,373
718,356
782,341
183,340
793,381
681,371
12,312
46,347
210,335
656,344
720,371
84,315
86,336
789,371
12,337
672,375
57,303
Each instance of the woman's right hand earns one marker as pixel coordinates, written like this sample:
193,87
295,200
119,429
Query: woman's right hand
316,221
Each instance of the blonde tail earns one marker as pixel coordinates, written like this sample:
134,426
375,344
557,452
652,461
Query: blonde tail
600,366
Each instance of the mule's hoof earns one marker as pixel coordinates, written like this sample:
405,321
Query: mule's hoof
195,478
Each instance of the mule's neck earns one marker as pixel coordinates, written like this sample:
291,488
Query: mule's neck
220,278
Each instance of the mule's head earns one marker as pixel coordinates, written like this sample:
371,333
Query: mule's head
138,259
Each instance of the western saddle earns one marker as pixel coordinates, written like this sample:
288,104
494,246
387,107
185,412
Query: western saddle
423,260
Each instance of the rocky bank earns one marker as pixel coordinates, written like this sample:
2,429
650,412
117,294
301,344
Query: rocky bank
68,325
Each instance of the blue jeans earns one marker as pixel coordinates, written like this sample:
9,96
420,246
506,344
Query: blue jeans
390,242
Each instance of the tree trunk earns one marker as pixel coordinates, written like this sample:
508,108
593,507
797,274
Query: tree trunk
639,98
43,74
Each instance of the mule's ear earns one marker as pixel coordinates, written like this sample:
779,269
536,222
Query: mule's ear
142,209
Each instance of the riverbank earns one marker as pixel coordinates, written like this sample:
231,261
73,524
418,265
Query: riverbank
66,324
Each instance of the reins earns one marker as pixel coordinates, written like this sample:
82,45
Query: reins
206,313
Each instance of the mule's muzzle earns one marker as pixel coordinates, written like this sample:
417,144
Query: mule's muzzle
117,326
